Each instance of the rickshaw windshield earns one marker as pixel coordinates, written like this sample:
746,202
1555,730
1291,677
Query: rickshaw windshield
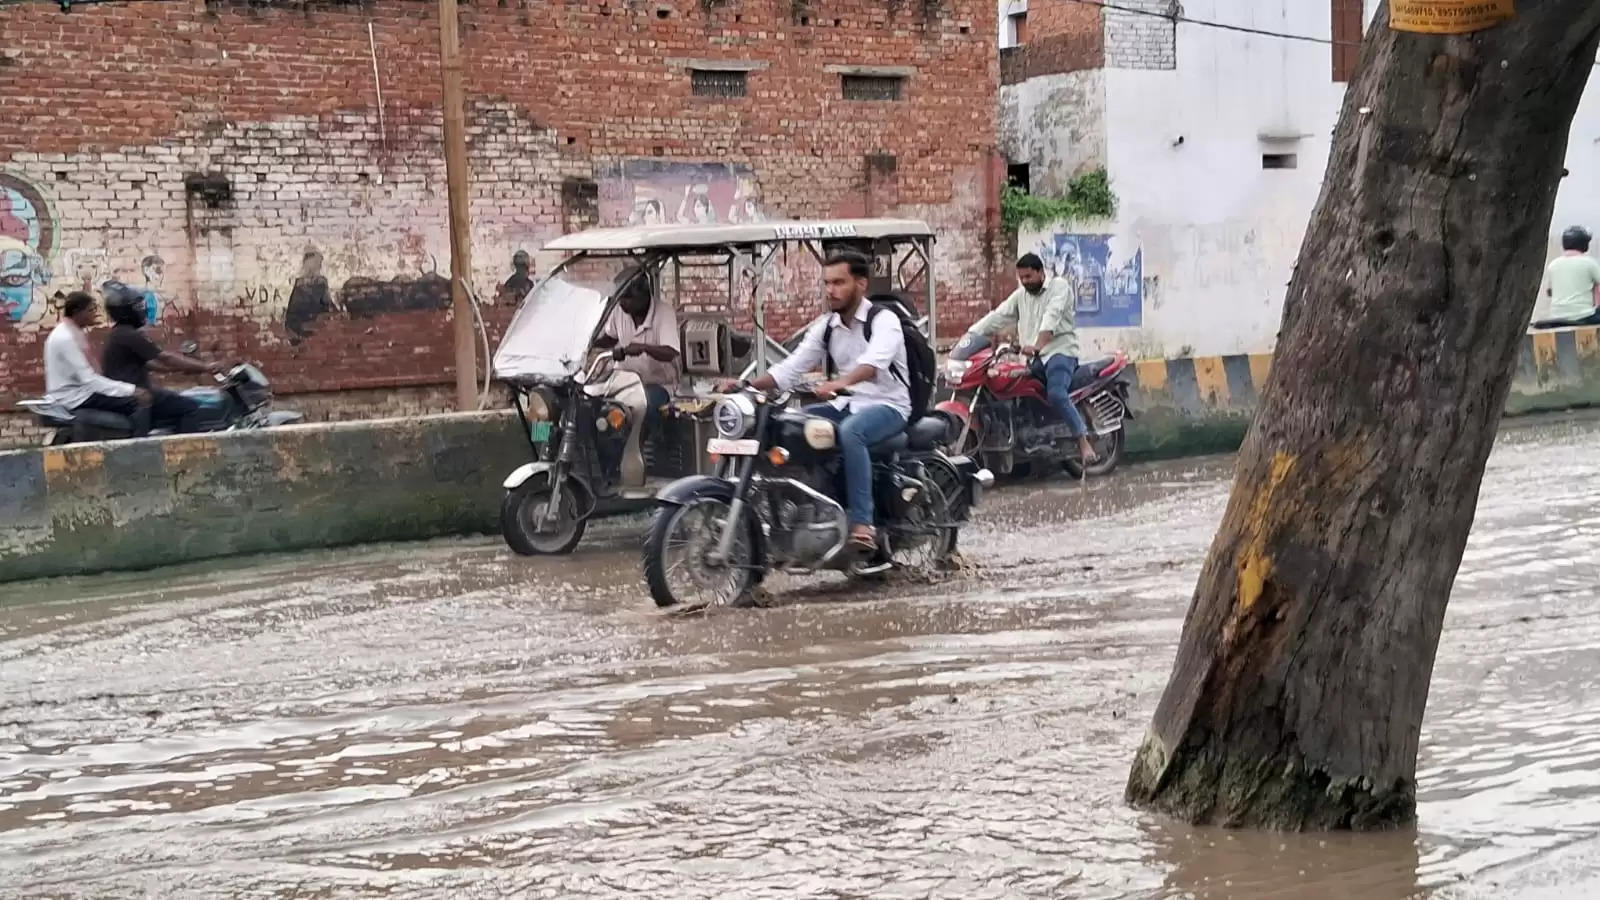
548,339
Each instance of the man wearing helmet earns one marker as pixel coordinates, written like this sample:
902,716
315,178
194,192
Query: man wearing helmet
129,354
1572,282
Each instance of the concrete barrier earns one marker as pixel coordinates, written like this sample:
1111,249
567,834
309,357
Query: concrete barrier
1188,407
140,504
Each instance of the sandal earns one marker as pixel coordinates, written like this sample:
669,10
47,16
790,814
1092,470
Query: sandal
863,541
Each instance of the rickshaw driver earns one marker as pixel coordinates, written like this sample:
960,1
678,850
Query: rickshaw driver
647,331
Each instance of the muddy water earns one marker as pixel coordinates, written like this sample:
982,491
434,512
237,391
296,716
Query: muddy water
446,721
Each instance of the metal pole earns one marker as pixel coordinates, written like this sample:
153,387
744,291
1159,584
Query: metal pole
455,167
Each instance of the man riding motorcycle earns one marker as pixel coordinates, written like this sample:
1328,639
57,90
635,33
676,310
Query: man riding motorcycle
129,353
869,363
1044,313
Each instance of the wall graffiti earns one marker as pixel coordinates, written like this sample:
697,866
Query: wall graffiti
309,300
1110,286
519,283
27,243
656,192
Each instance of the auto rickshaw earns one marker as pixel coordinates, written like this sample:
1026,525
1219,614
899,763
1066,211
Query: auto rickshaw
598,445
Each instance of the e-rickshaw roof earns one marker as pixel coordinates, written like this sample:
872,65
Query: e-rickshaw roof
680,237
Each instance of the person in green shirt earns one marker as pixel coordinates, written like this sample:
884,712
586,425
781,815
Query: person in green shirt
1044,313
1572,282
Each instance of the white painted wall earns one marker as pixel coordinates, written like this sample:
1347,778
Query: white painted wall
1219,234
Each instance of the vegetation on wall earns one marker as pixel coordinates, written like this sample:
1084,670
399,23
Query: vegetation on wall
1089,196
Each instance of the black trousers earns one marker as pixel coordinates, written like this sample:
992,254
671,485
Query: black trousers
168,409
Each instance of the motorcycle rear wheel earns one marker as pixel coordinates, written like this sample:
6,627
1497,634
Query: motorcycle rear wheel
1108,447
676,565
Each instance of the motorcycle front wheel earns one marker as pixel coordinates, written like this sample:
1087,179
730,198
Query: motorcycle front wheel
524,508
677,557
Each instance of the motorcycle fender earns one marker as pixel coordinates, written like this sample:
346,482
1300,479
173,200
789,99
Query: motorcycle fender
524,474
680,492
1122,392
956,408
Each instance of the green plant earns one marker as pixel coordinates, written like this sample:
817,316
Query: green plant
1089,196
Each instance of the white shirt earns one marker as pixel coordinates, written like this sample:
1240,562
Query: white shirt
886,353
69,378
660,327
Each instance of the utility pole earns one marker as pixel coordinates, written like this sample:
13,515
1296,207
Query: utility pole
455,168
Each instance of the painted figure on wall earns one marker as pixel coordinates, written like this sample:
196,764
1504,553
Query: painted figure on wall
309,301
517,286
27,243
22,275
154,269
654,192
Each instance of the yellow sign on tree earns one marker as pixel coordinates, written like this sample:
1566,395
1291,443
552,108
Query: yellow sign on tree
1449,16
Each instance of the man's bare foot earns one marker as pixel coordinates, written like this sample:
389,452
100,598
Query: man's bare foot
863,537
1086,451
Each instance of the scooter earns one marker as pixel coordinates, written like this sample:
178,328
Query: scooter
241,400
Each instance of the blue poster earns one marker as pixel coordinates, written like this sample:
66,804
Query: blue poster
1110,292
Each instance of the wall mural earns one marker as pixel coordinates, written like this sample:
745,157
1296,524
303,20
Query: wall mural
1110,288
656,192
27,243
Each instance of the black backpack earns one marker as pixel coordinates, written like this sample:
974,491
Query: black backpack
919,381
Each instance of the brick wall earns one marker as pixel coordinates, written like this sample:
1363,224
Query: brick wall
232,159
1135,40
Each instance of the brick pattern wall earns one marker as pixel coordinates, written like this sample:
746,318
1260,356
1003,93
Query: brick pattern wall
1138,41
231,158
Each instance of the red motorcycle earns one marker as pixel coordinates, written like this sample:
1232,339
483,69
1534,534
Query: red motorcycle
1007,421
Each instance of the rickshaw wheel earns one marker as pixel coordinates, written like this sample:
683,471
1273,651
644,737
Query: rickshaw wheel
521,511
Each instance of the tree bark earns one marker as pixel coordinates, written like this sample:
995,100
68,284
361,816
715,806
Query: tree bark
1297,697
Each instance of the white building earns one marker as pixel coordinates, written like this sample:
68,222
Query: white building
1215,141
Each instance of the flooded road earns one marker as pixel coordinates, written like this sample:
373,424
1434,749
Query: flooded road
445,720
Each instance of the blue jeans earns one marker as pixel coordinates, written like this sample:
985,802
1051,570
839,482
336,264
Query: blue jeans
1058,372
857,433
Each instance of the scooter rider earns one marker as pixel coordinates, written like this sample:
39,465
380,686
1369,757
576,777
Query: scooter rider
129,354
879,404
1044,313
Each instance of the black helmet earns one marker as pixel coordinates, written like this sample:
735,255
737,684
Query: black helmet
1576,238
124,304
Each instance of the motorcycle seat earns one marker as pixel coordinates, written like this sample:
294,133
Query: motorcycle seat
927,433
888,448
1089,371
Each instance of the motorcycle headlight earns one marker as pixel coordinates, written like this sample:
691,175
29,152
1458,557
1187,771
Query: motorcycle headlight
538,408
734,416
956,369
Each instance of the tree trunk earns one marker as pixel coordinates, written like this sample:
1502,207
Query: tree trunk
1297,697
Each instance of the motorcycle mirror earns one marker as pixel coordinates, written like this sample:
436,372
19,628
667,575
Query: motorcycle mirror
189,348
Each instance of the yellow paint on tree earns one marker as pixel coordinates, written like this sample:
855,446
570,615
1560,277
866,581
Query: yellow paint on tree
1449,16
1255,564
1212,379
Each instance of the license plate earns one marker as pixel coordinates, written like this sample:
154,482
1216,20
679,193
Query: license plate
539,432
725,447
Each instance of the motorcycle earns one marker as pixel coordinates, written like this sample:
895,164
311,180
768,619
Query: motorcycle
1008,422
774,504
241,400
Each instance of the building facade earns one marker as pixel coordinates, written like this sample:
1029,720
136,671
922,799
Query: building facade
1215,141
271,173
